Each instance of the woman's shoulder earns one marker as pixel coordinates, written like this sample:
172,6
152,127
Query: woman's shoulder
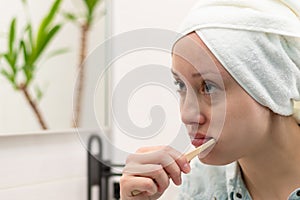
204,182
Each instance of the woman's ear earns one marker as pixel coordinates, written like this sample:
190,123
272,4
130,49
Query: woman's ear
296,112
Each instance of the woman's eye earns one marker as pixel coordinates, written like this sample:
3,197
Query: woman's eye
180,86
208,87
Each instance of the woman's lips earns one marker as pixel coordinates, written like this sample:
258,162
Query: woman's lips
199,139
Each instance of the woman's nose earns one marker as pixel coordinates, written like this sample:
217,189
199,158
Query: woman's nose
190,110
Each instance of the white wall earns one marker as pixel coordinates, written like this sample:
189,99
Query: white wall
129,16
137,14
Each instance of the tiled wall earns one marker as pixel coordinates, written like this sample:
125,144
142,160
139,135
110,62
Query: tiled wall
45,166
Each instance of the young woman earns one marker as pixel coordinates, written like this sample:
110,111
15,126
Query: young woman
237,68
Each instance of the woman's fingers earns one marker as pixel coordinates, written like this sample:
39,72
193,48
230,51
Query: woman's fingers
129,184
180,160
154,172
173,161
153,167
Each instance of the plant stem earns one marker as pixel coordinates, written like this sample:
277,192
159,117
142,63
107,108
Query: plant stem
33,105
81,75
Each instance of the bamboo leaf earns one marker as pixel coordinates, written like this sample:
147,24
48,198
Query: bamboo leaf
54,10
12,35
46,22
14,62
7,57
8,76
57,52
28,71
30,42
47,40
24,50
91,7
69,16
24,2
38,92
11,60
87,4
49,18
91,4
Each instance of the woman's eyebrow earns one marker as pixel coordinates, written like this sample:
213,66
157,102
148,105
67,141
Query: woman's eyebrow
198,74
174,73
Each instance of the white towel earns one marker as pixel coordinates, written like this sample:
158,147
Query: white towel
258,42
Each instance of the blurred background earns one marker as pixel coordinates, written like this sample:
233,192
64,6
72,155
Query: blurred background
53,163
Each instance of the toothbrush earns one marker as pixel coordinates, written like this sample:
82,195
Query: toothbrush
192,154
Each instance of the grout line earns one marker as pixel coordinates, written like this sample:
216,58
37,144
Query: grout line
65,179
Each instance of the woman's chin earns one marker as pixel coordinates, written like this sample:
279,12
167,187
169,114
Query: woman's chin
213,159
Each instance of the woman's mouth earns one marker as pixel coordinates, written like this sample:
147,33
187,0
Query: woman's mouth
200,139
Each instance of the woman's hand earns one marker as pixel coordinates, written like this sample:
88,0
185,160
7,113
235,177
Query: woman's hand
149,171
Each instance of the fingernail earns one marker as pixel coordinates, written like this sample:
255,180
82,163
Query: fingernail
186,168
179,181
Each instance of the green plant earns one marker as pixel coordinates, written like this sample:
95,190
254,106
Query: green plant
84,21
23,55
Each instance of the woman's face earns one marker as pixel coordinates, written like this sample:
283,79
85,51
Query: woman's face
213,105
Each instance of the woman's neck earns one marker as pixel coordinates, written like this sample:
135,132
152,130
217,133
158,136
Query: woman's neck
273,172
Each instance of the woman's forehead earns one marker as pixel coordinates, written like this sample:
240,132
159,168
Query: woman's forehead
190,42
191,50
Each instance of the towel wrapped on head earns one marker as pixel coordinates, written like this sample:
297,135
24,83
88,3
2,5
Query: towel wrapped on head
258,43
